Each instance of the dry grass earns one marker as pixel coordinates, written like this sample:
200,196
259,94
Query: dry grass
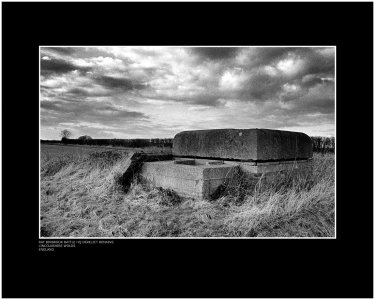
81,196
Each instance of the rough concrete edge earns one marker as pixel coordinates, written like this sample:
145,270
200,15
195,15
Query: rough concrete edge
137,159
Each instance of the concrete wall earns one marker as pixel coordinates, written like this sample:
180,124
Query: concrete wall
199,179
243,144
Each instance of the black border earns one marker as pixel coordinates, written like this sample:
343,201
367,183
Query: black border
188,268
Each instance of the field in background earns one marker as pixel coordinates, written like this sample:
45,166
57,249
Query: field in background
79,150
81,196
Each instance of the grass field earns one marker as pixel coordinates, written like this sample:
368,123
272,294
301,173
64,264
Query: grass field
78,150
81,197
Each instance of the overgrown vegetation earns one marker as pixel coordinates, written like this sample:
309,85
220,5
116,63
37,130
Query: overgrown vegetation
323,144
81,195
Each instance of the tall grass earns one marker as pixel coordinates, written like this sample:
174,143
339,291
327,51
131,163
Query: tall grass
81,196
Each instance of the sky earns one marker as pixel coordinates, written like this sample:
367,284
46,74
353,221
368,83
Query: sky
156,92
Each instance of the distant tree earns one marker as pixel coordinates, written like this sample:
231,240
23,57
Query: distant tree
332,143
65,134
323,144
85,137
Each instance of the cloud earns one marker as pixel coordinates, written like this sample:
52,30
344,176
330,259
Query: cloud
253,57
59,66
311,80
61,50
233,79
290,66
215,53
90,109
81,93
260,86
322,106
124,84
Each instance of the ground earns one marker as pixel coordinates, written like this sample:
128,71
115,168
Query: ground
81,196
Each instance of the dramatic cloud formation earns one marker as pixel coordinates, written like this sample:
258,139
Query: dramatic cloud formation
130,92
215,52
50,66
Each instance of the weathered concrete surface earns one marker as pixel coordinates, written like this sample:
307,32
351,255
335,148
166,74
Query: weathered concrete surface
133,165
197,178
243,144
185,162
273,167
196,181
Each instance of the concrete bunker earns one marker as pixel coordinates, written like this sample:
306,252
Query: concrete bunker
203,160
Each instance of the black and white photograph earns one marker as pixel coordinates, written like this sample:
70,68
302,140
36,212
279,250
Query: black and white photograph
195,141
192,149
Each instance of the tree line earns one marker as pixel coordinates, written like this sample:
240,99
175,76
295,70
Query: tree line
87,140
320,144
133,143
323,144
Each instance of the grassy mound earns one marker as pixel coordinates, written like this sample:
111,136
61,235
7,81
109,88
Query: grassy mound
82,196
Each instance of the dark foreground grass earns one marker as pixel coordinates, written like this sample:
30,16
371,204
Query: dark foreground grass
81,197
